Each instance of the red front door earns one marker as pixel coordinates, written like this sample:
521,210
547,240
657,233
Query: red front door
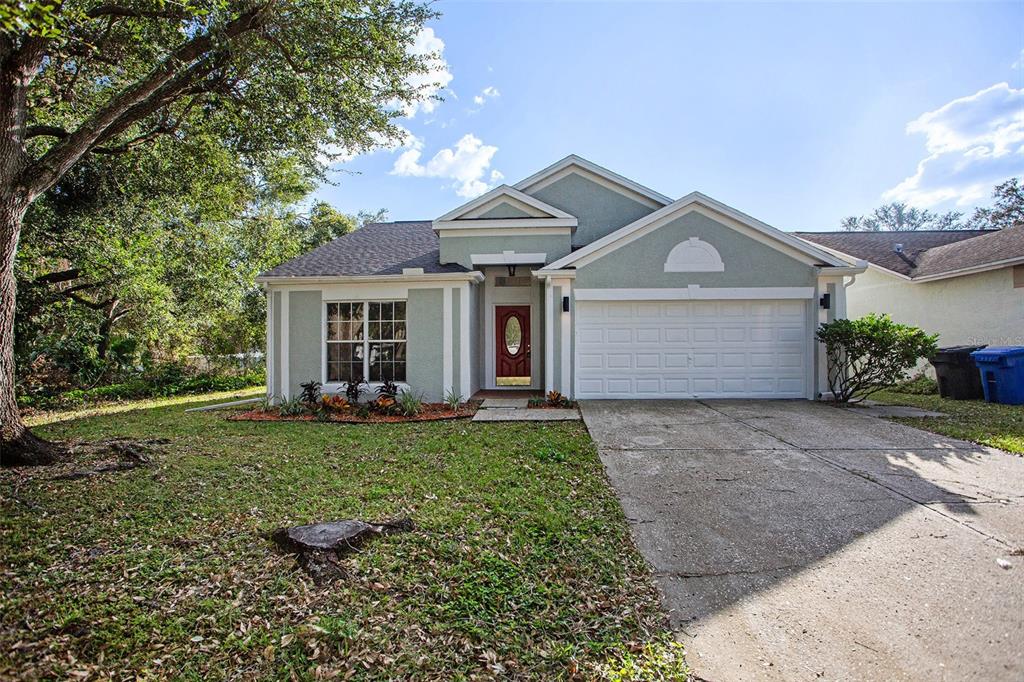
512,345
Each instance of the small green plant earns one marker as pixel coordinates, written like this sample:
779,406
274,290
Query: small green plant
353,390
871,353
310,393
362,410
409,403
388,388
453,399
292,407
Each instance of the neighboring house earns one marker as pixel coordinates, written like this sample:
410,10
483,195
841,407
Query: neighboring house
965,285
577,280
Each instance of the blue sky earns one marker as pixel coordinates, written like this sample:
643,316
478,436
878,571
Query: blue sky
798,114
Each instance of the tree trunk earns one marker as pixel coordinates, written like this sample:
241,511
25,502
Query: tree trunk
17,444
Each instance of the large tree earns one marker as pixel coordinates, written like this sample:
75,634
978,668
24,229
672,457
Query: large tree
266,80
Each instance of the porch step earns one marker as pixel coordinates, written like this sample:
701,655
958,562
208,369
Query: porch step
491,403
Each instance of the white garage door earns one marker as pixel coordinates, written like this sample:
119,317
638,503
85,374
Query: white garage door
691,349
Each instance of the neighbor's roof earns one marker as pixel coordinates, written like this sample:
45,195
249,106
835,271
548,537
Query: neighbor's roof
926,253
372,250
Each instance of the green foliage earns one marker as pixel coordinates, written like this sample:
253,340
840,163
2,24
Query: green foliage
452,399
919,384
870,353
354,389
310,393
660,660
409,403
292,407
1007,210
157,233
168,379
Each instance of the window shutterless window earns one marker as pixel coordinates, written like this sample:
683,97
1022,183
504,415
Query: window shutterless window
366,340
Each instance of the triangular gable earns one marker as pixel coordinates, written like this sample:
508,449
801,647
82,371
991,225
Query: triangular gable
595,173
771,236
504,196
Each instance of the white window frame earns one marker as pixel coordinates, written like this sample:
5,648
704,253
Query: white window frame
366,341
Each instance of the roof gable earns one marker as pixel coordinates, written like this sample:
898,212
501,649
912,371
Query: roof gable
595,173
726,215
528,206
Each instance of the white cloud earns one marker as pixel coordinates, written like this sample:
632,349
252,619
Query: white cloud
973,143
1019,64
435,79
490,92
466,165
332,155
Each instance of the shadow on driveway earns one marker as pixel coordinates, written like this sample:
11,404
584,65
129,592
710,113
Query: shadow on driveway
794,540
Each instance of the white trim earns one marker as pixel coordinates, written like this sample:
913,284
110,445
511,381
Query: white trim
694,292
472,209
346,279
549,337
446,340
547,274
507,258
497,223
973,270
695,201
694,255
852,270
285,348
464,364
596,173
507,232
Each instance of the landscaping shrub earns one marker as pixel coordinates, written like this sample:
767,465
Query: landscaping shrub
409,403
453,399
871,353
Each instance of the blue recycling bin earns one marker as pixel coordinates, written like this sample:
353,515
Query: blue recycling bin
1002,373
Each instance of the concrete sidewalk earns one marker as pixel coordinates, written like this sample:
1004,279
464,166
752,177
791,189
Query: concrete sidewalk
795,541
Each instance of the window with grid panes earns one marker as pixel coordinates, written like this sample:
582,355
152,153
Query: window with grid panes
366,340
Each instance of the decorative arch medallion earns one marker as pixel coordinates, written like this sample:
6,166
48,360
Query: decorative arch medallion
694,255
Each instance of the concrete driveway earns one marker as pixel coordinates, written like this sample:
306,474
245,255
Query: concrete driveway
795,541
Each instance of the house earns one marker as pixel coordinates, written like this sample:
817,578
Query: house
576,279
965,285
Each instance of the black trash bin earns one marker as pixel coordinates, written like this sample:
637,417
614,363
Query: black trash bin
957,374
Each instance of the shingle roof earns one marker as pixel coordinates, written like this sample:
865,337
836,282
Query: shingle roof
374,249
925,252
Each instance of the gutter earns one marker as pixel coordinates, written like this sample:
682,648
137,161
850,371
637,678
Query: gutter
409,275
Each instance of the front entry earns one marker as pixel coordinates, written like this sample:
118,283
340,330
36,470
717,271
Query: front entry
512,345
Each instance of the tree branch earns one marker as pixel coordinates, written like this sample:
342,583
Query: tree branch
60,276
133,103
118,11
45,131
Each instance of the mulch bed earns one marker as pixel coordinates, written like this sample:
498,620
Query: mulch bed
431,412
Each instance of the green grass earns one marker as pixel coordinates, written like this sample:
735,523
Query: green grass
1000,426
521,565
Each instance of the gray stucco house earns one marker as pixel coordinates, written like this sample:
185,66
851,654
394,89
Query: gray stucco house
575,279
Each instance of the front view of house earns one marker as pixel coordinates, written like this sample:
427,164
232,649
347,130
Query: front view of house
576,280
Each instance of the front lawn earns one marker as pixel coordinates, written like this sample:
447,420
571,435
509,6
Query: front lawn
521,565
1001,426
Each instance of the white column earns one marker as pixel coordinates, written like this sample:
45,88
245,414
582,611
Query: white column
464,360
285,389
268,355
566,321
446,340
549,336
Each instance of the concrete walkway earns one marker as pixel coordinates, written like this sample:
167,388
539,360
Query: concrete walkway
795,541
518,410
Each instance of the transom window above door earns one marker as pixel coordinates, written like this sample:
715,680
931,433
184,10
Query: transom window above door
365,341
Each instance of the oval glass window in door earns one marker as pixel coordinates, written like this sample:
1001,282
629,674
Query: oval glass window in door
513,335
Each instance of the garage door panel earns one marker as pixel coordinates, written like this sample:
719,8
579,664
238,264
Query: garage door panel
649,349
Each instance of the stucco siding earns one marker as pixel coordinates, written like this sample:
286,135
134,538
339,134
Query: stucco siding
460,249
305,310
748,262
425,318
974,309
504,210
599,210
